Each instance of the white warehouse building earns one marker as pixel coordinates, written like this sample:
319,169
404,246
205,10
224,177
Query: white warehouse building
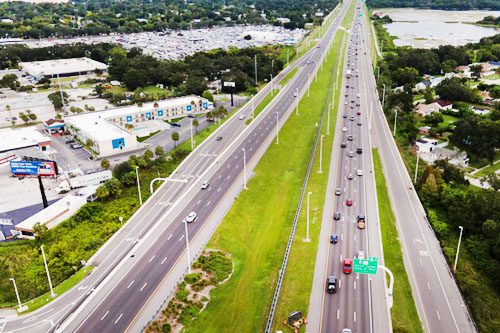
112,130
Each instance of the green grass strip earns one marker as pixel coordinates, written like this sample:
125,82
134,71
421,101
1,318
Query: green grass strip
403,313
58,290
289,76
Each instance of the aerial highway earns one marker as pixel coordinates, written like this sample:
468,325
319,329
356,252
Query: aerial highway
135,262
439,303
359,304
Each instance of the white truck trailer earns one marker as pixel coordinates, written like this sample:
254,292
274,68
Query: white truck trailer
86,180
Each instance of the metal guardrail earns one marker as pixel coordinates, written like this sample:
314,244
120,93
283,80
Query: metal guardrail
299,208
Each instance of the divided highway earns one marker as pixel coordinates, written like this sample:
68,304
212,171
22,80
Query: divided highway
134,262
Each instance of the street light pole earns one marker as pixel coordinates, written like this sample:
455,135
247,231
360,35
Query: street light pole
458,248
416,168
308,84
272,88
328,119
244,169
383,98
121,220
307,239
321,154
17,293
52,294
191,132
253,108
138,184
395,122
187,246
277,131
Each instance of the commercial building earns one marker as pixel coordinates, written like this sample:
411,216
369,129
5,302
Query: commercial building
113,131
62,67
14,139
52,215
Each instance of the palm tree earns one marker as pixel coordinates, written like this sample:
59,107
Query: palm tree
175,138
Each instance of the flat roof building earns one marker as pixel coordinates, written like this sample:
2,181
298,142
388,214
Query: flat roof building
113,131
62,67
14,139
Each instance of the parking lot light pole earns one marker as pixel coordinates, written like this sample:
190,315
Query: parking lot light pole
321,154
17,292
244,169
138,184
307,239
277,130
187,246
52,294
458,248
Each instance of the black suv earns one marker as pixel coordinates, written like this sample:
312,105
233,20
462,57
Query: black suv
359,150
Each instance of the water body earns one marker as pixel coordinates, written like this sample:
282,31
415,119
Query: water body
425,28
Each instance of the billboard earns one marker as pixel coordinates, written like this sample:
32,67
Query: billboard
33,168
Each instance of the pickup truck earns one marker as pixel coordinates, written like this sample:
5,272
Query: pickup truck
361,221
331,284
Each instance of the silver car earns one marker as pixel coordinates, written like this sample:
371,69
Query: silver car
191,217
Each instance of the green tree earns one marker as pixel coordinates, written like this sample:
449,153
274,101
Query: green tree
24,117
208,95
434,118
159,152
175,137
493,179
105,164
148,154
490,229
406,76
102,192
475,71
39,230
428,95
89,143
55,98
455,89
31,116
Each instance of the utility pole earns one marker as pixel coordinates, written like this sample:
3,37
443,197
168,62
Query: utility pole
52,294
272,88
138,185
255,61
321,154
191,132
458,248
383,98
244,169
307,239
416,168
61,93
17,294
395,122
253,108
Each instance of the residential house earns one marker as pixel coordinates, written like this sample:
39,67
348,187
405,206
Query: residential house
422,85
444,104
427,109
424,130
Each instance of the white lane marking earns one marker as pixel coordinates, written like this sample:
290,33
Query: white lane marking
357,276
354,237
228,177
208,203
428,285
143,286
354,285
437,312
170,236
154,255
198,202
236,157
354,315
236,167
105,315
219,177
131,283
338,314
119,317
340,284
228,166
340,257
220,188
164,259
421,263
341,236
182,237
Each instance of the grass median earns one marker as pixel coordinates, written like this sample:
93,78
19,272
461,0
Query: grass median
403,313
256,229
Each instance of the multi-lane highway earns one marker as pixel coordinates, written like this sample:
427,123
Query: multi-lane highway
350,193
136,261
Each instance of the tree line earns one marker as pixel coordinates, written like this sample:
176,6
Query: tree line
436,4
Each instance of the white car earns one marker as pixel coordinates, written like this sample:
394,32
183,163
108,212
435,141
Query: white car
205,185
191,217
359,172
360,255
242,116
344,129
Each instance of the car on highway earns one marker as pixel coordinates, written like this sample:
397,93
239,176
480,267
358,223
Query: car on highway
350,138
352,118
344,129
359,150
191,217
241,117
331,284
343,145
350,176
351,154
205,185
76,145
219,138
361,221
334,239
348,202
358,95
359,172
338,191
346,330
336,216
344,115
347,266
360,255
359,122
358,113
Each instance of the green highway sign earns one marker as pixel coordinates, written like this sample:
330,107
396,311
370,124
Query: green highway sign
365,266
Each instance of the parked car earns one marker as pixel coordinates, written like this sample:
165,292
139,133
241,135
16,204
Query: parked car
76,145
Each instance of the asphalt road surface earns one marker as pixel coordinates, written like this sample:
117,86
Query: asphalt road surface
131,265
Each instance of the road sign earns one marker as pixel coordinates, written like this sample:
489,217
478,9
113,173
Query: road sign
365,266
229,84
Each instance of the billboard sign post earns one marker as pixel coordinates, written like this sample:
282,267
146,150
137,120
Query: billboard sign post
40,168
232,85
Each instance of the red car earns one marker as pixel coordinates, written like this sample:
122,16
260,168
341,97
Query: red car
348,202
358,113
347,266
